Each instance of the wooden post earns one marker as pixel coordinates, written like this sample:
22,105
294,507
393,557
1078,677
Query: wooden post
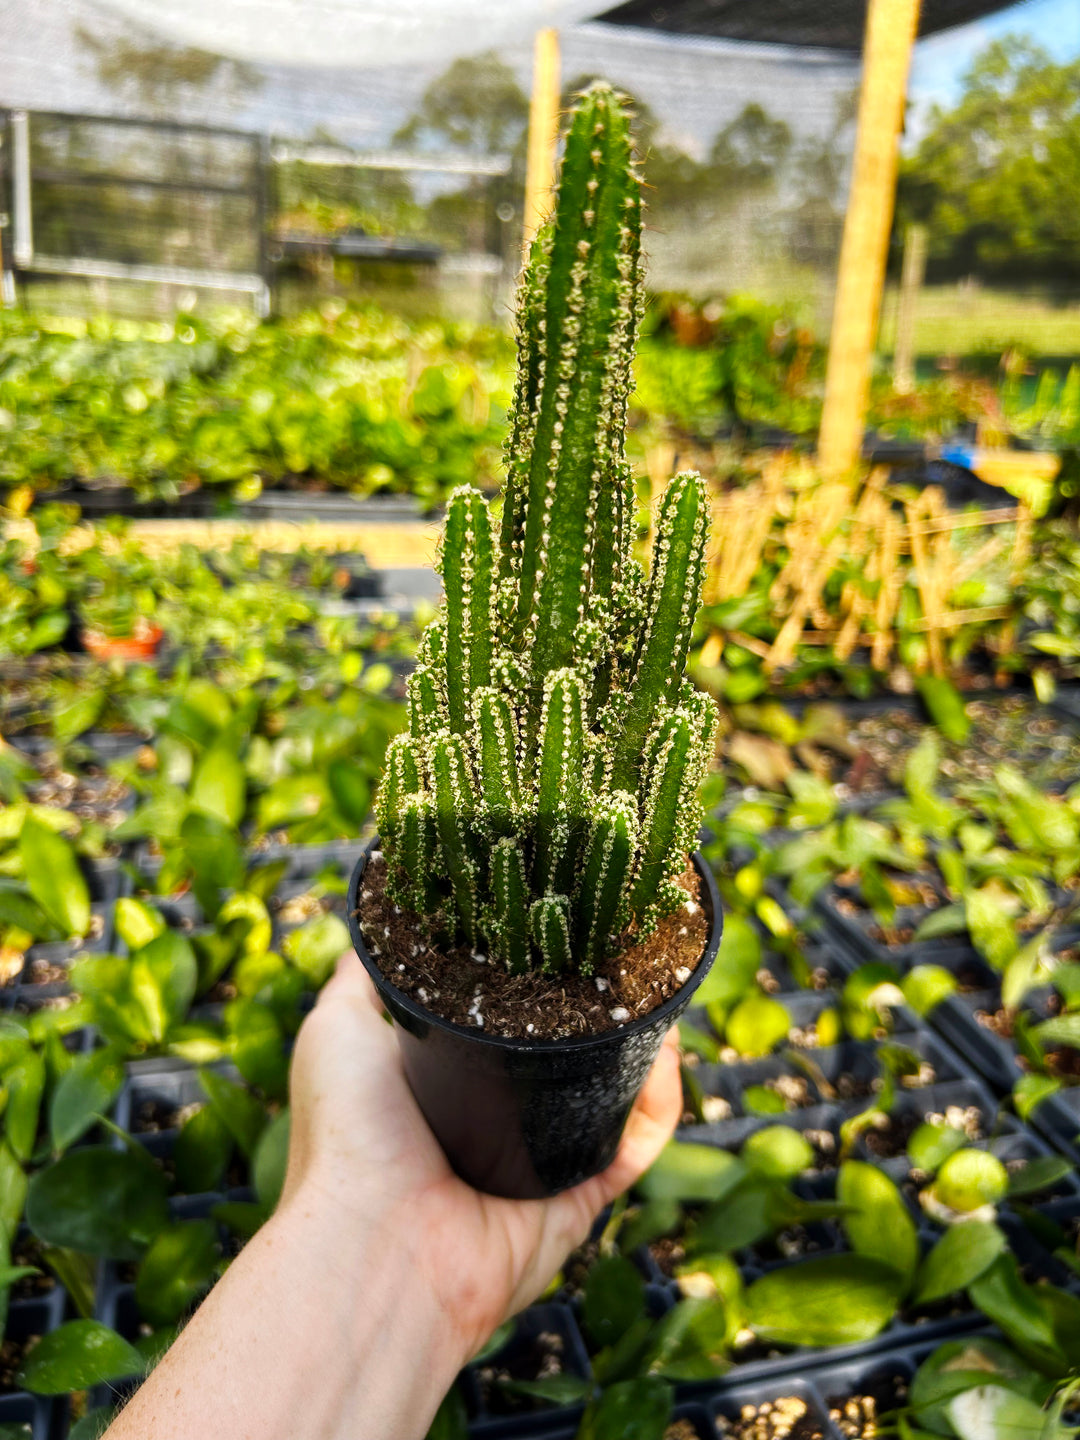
890,35
911,279
543,132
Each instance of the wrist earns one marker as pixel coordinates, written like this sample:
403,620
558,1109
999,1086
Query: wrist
363,1260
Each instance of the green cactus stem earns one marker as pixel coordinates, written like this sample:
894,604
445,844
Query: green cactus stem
454,808
468,561
415,839
495,741
603,897
551,931
509,926
671,607
560,777
544,799
668,822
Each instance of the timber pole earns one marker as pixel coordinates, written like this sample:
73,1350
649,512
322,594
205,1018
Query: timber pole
543,133
911,279
891,27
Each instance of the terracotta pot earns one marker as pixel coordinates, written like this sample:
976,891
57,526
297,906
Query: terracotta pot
142,645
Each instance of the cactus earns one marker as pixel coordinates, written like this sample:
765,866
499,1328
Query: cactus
543,800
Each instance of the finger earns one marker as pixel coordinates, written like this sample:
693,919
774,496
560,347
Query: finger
351,981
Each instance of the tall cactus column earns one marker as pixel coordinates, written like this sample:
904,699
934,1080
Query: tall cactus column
544,799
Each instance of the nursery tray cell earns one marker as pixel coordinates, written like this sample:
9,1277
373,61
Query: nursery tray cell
1012,728
688,1422
44,975
545,1342
775,1410
26,1323
848,1074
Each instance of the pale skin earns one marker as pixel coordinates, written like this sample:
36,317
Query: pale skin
381,1273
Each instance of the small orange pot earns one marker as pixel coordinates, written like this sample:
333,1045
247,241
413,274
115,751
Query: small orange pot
142,644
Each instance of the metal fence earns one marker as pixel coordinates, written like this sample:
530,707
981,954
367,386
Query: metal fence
181,207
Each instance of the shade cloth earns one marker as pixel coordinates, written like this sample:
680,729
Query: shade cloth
350,32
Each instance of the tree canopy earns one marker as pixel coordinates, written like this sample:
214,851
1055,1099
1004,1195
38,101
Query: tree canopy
997,178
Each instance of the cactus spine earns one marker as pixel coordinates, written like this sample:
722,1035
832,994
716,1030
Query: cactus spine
544,798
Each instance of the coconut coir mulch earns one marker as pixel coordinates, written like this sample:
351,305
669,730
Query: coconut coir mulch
466,987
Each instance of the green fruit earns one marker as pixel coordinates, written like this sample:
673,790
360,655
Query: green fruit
971,1178
779,1152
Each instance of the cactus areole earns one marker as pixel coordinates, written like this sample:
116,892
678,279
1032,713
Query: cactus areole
537,815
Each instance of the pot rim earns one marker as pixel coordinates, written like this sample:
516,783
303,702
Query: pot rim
673,1003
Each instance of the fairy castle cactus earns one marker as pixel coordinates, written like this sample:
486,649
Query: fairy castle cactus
543,800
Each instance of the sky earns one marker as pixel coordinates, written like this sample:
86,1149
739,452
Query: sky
940,61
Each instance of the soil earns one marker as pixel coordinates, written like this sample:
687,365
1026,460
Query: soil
786,1418
577,1265
93,798
45,972
849,1087
50,1002
794,1090
668,1253
1065,1064
794,1243
299,908
1000,1022
681,1430
220,993
972,978
536,1359
154,1116
824,1143
461,985
1001,729
890,1139
857,1417
27,1251
12,1355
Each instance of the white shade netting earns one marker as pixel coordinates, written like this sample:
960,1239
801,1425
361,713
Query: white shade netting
350,32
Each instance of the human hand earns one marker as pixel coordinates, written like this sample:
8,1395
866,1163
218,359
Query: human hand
362,1162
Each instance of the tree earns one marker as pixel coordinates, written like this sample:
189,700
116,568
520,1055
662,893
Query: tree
161,76
751,149
997,178
476,104
820,164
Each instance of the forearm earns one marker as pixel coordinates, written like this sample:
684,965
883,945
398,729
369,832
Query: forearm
312,1334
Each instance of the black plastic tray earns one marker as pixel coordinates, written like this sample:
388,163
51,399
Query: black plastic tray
44,1414
106,881
1057,1118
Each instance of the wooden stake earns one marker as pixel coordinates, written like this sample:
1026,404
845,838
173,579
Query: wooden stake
925,579
911,279
890,34
543,133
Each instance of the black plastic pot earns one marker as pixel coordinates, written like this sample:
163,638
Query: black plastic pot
520,1118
